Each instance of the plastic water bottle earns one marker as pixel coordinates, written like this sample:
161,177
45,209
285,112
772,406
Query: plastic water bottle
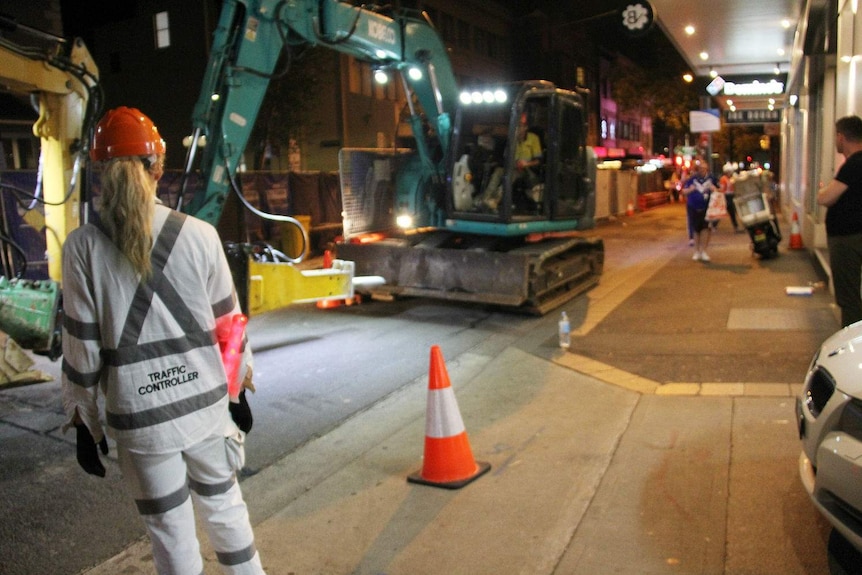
565,331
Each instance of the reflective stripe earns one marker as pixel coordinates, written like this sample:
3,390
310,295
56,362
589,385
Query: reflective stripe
163,504
136,315
163,413
156,349
225,306
236,557
443,418
81,330
90,379
210,489
158,283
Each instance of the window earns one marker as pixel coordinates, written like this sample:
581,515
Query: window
162,29
360,81
19,151
572,187
580,76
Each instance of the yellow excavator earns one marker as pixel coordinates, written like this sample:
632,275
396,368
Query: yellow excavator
62,81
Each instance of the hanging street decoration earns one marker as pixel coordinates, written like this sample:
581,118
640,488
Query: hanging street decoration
637,18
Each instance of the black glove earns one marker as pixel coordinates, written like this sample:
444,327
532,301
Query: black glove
241,413
88,457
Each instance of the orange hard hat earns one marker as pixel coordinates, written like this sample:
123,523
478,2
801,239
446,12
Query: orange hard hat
125,132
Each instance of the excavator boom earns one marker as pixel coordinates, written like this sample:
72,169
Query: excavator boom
250,37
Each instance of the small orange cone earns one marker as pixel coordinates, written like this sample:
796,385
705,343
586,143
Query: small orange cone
448,460
795,236
630,209
328,303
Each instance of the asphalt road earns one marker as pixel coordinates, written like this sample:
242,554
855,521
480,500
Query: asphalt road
654,311
314,369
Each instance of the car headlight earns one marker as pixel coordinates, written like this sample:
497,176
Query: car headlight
818,389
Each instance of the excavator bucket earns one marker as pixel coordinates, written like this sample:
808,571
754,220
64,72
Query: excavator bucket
28,314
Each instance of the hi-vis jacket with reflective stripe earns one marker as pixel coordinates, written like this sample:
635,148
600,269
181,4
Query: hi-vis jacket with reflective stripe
150,346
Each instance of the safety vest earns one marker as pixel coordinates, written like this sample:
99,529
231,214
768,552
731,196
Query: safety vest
149,345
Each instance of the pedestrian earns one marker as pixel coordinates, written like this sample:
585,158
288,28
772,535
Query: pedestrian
697,189
727,186
843,197
148,298
673,186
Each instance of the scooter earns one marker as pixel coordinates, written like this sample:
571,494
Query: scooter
755,213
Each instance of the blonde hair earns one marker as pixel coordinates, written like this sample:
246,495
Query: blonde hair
127,207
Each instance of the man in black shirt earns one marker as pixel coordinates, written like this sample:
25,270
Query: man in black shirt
843,197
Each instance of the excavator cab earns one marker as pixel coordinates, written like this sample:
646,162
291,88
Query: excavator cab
509,227
520,157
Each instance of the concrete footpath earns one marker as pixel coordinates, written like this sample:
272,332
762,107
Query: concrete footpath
662,442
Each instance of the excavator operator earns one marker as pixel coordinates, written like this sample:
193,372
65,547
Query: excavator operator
528,187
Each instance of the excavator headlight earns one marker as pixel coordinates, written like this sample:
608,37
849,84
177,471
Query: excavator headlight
381,77
404,221
498,96
202,141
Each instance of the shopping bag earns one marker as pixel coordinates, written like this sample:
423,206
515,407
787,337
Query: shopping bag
717,207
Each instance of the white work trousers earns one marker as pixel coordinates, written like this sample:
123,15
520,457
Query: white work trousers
160,485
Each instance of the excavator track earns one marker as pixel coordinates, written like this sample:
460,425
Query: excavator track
506,272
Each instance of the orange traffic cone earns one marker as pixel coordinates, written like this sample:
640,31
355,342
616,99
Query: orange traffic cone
630,209
328,303
795,236
448,458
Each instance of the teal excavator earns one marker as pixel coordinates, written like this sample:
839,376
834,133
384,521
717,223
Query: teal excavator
457,216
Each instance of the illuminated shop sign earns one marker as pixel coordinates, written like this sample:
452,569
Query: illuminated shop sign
764,116
771,88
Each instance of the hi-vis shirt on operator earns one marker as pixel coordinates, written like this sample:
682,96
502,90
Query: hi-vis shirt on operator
150,346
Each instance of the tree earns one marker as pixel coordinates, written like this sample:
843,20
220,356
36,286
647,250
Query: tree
745,141
653,92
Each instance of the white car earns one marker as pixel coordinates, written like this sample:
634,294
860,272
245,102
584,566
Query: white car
829,416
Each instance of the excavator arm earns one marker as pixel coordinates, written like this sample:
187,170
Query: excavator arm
250,37
64,83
